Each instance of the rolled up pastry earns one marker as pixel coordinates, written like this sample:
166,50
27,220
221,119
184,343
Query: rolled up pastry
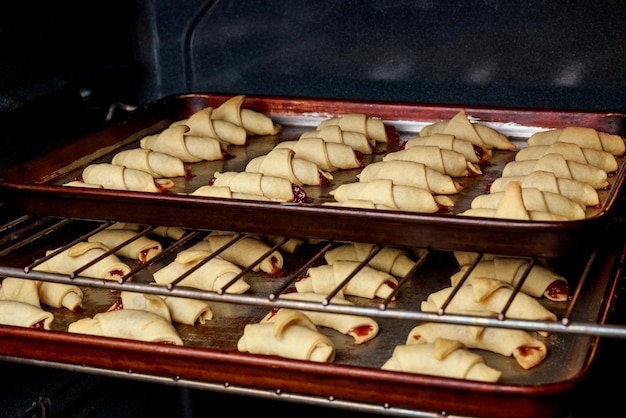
172,232
37,293
557,164
584,137
282,162
372,128
211,276
224,192
201,123
176,142
144,302
21,290
328,156
188,311
478,134
571,152
547,181
256,184
472,153
158,164
540,282
367,282
255,123
361,328
244,252
445,161
118,177
522,345
411,173
22,314
442,357
132,324
291,335
389,259
535,200
139,247
333,133
396,197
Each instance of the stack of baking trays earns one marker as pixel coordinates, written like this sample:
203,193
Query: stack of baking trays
402,307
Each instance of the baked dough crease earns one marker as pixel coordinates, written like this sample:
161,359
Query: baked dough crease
290,334
601,159
582,136
157,164
328,156
133,245
255,123
201,123
442,357
472,153
446,161
358,141
391,260
373,128
37,293
22,314
255,185
176,141
131,324
282,162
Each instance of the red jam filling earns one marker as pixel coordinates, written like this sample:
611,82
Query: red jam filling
143,257
361,331
557,289
299,195
39,325
527,350
392,134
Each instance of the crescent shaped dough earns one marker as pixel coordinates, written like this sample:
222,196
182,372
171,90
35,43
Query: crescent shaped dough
584,137
132,324
472,153
328,156
291,335
546,181
527,350
255,123
396,197
372,128
557,164
389,259
211,276
510,270
445,161
282,162
172,232
189,311
255,184
333,133
140,248
411,173
571,152
61,295
441,358
535,200
144,302
361,328
75,257
157,164
118,177
176,142
244,252
22,314
367,282
21,290
201,123
478,134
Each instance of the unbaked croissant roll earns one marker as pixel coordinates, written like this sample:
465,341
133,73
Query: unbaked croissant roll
141,248
571,152
211,276
175,141
478,134
158,164
411,173
282,162
535,200
172,232
373,128
584,137
541,281
445,161
118,177
132,324
442,357
142,301
546,181
522,345
557,164
396,197
22,314
367,282
37,293
389,259
224,192
361,328
21,290
472,153
188,311
291,335
256,184
328,156
333,133
255,123
201,123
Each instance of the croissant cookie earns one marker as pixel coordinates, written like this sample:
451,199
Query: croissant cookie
328,156
255,184
157,164
571,152
201,123
282,162
176,141
389,259
255,123
22,314
445,161
118,177
372,128
472,153
333,133
581,136
37,293
137,247
171,232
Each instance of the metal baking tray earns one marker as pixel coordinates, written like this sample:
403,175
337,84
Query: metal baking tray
34,186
